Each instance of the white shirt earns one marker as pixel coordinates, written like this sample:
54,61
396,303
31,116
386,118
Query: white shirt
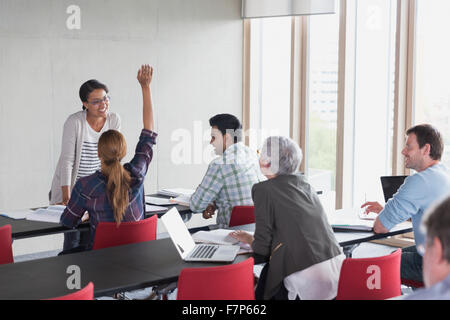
318,282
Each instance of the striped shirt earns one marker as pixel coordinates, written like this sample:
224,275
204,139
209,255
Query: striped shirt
89,161
228,181
89,193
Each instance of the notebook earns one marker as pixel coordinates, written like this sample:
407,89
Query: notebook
50,214
186,247
348,219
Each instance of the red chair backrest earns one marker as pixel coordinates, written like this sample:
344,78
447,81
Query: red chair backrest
229,282
109,235
86,293
412,283
6,253
242,215
370,278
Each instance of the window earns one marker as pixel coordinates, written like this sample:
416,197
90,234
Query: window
374,80
322,104
270,79
432,69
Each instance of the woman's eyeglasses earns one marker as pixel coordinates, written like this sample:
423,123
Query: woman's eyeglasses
97,102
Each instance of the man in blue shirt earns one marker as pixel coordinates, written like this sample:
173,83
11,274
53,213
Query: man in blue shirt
436,259
431,183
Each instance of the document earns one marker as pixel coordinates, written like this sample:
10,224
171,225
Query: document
16,214
51,214
157,201
183,200
218,236
152,208
350,219
175,192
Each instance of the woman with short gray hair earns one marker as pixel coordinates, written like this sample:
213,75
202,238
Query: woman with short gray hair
282,154
292,233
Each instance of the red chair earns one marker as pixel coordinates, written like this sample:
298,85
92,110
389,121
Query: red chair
370,278
6,253
229,282
412,283
86,293
109,235
242,215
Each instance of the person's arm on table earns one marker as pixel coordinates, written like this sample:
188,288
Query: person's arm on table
203,199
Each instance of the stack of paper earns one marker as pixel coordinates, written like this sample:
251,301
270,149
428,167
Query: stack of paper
184,200
350,219
218,236
152,208
157,201
51,214
16,214
176,192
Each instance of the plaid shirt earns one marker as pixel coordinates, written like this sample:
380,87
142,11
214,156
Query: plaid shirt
89,193
228,181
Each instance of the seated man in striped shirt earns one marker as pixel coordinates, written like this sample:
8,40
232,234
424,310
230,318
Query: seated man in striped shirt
230,177
116,192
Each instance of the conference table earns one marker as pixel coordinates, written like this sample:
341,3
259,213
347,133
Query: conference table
351,239
118,269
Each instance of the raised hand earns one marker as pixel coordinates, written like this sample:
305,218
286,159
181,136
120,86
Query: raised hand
145,75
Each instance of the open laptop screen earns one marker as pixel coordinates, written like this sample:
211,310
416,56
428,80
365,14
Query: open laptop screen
390,185
178,232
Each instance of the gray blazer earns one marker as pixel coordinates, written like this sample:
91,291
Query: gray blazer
291,230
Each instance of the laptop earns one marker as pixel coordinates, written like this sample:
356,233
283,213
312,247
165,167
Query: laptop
390,185
186,247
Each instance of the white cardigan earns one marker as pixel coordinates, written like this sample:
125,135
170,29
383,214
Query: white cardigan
69,160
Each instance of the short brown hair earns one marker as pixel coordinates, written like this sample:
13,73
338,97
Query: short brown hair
426,133
437,225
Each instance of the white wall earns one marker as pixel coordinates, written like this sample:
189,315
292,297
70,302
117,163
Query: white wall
195,47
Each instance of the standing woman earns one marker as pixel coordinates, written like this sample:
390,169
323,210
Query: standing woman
79,146
116,192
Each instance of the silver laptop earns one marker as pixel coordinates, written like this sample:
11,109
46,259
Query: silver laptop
188,250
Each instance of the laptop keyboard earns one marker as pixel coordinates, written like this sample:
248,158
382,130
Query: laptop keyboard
204,251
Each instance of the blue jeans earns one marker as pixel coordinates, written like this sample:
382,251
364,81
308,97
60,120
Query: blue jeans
411,264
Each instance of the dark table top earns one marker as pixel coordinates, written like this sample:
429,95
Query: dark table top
112,270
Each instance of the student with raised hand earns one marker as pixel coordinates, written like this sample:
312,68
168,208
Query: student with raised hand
79,146
116,192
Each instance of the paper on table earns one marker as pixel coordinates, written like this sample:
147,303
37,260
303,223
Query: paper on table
184,200
175,192
349,219
218,236
16,214
245,248
151,208
51,214
157,201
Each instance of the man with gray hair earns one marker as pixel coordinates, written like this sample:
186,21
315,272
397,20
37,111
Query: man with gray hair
436,259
